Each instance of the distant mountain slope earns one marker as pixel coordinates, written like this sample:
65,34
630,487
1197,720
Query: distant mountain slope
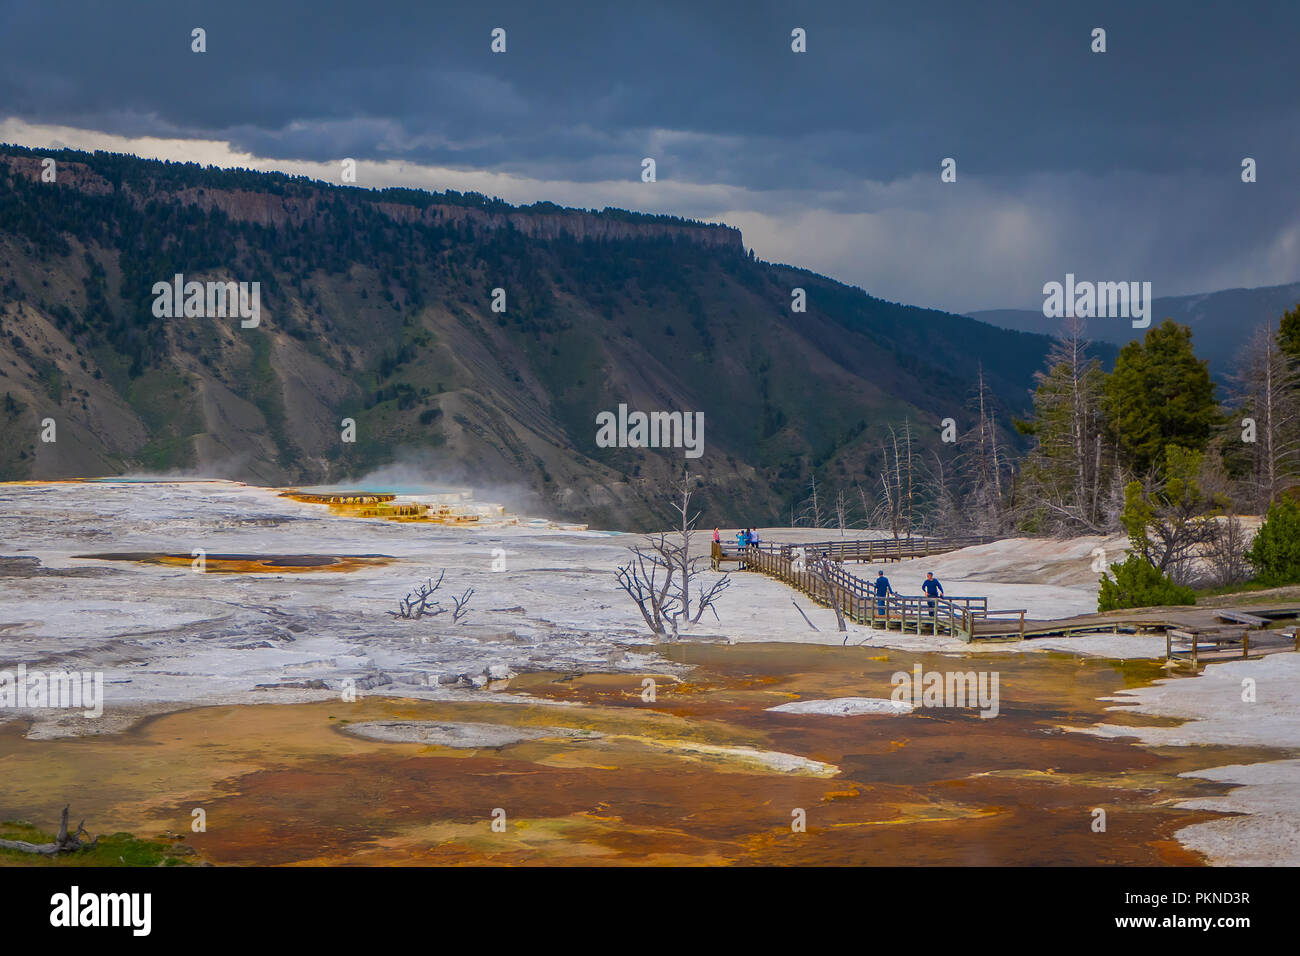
1221,322
376,307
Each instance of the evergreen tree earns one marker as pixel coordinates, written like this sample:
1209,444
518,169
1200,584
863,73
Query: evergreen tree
1160,394
1137,583
1275,552
1289,333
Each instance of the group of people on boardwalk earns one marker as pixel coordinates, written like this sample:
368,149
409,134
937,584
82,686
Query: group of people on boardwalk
931,587
744,538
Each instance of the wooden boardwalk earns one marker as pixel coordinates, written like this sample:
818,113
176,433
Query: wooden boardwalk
798,565
871,550
1192,634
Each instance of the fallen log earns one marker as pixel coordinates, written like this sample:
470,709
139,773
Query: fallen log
63,843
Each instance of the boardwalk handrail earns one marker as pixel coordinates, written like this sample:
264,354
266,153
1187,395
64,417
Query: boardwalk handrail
971,618
956,615
884,549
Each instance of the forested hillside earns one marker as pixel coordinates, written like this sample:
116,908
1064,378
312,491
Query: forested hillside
376,306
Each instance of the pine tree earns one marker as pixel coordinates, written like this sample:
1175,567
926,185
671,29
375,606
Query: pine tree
1275,552
1289,333
1160,394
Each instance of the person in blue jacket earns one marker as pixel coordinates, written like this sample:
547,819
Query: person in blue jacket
932,588
882,589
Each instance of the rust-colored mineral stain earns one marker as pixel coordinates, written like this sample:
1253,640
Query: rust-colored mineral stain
365,504
250,563
664,782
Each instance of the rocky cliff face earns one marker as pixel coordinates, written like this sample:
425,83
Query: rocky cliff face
281,212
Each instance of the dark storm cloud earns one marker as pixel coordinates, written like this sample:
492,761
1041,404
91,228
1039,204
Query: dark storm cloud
881,93
712,90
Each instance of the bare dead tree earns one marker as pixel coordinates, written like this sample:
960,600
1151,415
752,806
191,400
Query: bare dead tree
981,463
1112,505
707,597
907,444
945,509
898,485
63,842
648,580
1061,479
690,567
832,592
658,577
841,511
811,510
1266,388
1225,552
420,603
462,605
867,511
888,506
682,505
1178,528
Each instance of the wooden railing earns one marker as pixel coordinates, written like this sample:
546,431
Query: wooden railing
862,549
884,549
801,566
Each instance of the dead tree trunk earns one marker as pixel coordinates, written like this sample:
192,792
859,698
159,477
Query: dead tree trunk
832,591
63,843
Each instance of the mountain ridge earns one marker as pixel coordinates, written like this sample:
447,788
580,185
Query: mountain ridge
1221,321
377,308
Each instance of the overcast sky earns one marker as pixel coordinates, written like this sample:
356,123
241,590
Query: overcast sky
1113,166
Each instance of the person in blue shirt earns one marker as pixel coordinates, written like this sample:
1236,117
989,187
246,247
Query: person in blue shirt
742,540
882,589
932,588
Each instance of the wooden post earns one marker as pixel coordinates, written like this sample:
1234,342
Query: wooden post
1245,642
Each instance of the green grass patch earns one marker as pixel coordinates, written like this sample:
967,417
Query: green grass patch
163,400
118,849
264,390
